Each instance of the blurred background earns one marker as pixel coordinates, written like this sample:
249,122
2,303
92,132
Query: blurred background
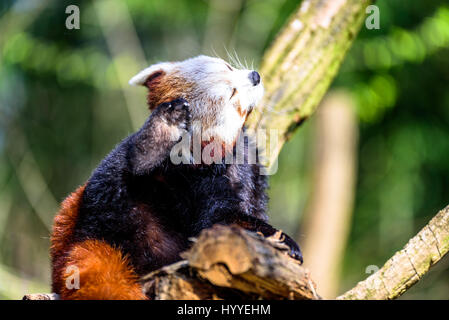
356,181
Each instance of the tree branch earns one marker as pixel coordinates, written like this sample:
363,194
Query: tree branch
409,265
41,296
230,262
301,63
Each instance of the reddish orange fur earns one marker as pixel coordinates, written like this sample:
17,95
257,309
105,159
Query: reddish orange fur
103,272
242,113
164,88
61,237
217,145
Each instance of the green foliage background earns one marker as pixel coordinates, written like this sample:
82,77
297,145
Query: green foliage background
62,108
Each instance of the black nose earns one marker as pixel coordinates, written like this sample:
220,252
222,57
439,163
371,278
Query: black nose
254,77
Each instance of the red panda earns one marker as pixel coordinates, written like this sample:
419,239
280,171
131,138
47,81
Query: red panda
138,209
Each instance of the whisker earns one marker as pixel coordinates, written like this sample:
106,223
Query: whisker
236,61
241,66
230,58
215,52
246,65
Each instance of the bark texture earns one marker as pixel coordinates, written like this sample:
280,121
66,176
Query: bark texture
41,296
300,65
408,265
230,262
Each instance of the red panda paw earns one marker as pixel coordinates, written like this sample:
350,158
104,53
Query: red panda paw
177,112
294,250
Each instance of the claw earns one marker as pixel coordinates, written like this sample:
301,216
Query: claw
179,103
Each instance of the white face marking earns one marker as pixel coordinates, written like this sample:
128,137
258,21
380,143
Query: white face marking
228,129
221,96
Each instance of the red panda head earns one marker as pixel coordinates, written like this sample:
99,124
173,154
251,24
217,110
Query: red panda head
220,96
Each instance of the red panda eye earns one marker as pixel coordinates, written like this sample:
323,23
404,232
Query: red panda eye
234,91
229,67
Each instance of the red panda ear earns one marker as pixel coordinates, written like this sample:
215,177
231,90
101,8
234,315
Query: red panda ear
155,76
150,74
